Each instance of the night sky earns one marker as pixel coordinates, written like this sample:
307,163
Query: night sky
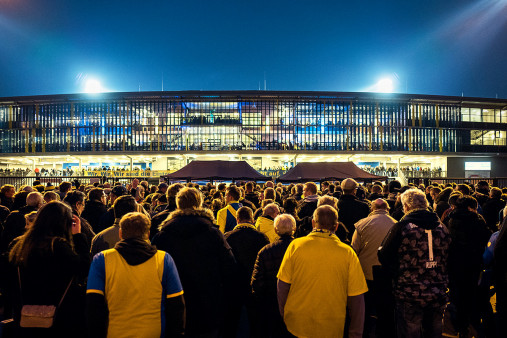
451,47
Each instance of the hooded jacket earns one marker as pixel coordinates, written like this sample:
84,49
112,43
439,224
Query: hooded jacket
205,265
419,270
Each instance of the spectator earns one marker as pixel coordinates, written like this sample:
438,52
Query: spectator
199,249
107,238
95,208
15,224
157,220
107,218
129,283
51,196
7,196
263,280
469,235
51,256
415,251
369,234
265,223
500,275
63,189
76,200
252,195
245,242
315,307
226,217
492,207
351,209
309,203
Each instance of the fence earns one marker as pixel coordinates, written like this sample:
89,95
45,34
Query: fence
18,181
495,181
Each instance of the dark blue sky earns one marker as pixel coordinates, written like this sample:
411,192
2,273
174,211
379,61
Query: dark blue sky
427,47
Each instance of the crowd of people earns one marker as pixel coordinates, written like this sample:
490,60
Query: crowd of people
408,171
251,260
14,171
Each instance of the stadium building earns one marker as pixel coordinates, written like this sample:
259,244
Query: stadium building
163,131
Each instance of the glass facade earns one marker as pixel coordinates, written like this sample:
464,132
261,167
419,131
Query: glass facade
250,121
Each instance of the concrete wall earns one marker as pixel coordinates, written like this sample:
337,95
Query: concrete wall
456,165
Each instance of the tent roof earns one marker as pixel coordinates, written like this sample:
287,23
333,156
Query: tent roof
217,170
322,171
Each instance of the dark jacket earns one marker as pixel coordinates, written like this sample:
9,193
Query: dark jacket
14,226
405,253
107,219
44,279
254,198
93,212
7,202
470,236
266,268
351,210
205,264
490,210
246,243
307,206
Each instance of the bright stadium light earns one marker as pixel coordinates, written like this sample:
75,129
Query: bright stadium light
384,85
93,86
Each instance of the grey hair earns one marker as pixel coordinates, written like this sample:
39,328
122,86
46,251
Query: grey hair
328,200
414,199
285,224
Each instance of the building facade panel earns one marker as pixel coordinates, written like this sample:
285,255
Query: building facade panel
250,121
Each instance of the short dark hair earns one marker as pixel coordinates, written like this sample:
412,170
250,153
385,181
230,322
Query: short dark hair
74,197
95,194
244,214
64,187
123,205
234,192
467,201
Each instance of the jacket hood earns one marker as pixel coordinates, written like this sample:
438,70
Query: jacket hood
135,250
192,221
422,218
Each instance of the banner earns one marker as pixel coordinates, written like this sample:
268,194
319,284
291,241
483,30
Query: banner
127,173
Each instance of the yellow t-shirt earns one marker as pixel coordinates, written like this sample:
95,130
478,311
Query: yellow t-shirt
322,272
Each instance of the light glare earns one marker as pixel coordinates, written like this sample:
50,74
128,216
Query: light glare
93,86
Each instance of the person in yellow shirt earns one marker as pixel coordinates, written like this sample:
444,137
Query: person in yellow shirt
226,217
324,278
265,223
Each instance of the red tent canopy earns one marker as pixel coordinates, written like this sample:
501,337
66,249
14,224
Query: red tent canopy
323,171
217,170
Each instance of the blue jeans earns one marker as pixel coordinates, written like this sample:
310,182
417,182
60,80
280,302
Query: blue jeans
414,321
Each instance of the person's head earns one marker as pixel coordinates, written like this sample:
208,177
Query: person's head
271,210
325,217
249,187
269,184
269,194
464,189
299,189
232,194
394,187
434,192
284,224
76,200
35,199
162,187
495,193
222,187
139,193
173,190
290,205
135,225
8,190
50,196
379,204
135,183
309,189
376,189
64,187
189,198
29,219
53,220
467,203
453,199
97,194
26,188
244,215
328,200
217,204
413,199
349,186
123,205
482,187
